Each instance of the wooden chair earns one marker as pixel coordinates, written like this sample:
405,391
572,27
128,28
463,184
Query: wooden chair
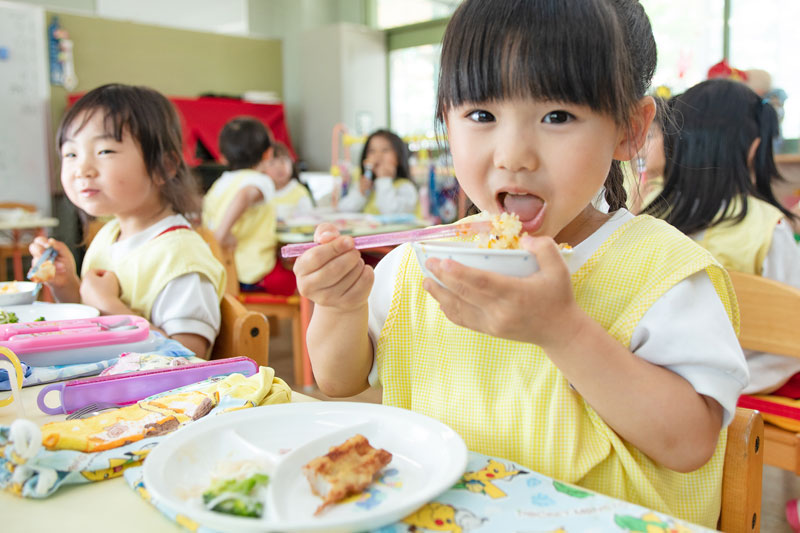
741,473
242,332
770,322
18,247
292,307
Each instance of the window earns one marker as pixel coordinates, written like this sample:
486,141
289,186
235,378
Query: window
764,35
391,13
687,45
414,74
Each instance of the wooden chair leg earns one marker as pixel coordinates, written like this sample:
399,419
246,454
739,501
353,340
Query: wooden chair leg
298,351
305,318
274,326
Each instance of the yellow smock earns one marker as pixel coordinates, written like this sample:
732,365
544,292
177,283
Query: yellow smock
507,399
743,246
255,234
144,272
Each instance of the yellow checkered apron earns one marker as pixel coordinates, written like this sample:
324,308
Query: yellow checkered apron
743,246
506,399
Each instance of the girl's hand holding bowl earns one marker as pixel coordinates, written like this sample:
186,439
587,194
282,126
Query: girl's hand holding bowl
500,292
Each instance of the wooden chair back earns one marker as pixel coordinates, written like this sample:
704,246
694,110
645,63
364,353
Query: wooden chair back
19,246
242,332
770,322
224,256
770,314
741,474
273,306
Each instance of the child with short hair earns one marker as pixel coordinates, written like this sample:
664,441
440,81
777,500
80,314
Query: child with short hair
121,155
385,186
292,198
618,376
718,190
238,207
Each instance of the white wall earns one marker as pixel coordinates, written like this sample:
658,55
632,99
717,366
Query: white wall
288,20
343,77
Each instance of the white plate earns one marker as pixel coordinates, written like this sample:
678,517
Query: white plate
427,459
30,312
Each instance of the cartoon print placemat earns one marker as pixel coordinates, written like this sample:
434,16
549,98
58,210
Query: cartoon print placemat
493,495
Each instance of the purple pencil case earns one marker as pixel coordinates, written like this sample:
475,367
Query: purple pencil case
129,388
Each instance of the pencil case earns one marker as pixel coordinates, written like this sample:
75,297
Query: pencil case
129,388
74,341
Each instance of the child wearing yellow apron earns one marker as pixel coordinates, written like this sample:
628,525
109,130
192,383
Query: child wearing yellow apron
239,208
385,186
292,198
620,375
121,156
718,191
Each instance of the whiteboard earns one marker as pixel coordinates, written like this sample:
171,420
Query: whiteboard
25,145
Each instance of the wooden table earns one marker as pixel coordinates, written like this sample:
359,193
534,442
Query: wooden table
17,227
91,507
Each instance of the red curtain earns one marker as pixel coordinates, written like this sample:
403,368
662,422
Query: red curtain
203,118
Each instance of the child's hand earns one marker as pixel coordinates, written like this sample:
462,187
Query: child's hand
334,274
100,289
364,186
65,282
534,309
226,241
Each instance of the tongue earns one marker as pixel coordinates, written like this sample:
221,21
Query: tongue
525,206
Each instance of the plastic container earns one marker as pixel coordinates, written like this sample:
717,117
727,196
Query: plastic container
129,388
83,340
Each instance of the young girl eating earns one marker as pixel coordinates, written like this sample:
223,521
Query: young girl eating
121,155
385,186
618,376
718,190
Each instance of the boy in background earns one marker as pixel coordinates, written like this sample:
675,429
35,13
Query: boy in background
238,207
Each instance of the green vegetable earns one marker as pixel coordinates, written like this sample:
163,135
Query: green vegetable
40,319
237,497
7,317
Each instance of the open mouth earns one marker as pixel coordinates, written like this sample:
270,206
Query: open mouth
529,208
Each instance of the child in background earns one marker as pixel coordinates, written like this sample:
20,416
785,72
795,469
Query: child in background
121,155
385,186
291,198
529,369
238,207
718,190
651,161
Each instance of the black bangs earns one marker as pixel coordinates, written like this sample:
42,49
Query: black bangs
148,116
561,50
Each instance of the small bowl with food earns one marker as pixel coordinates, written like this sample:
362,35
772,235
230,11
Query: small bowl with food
17,292
497,250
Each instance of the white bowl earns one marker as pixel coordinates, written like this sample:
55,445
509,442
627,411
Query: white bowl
23,295
519,263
